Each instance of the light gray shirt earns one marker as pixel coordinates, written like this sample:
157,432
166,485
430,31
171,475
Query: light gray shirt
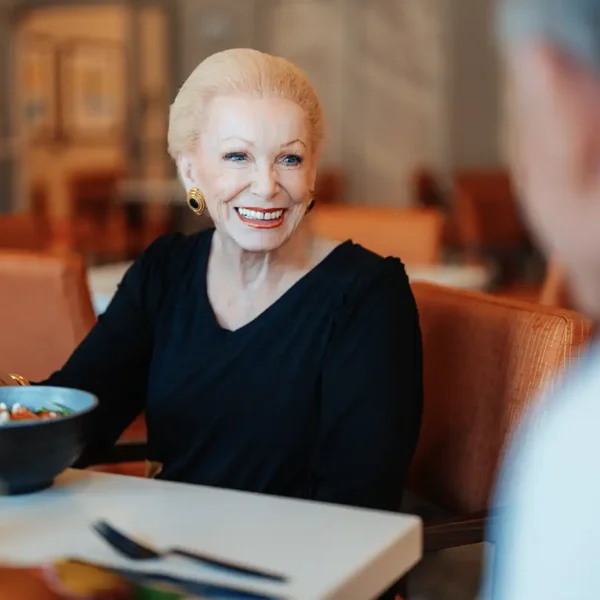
548,544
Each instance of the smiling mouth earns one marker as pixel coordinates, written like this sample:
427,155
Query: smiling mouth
260,218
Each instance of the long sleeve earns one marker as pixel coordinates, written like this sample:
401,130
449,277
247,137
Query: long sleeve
371,395
112,362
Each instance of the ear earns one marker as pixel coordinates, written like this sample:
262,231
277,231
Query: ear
187,172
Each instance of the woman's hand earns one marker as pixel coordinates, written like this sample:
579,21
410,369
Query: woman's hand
6,379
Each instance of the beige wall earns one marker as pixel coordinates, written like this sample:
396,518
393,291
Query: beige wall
475,92
153,77
46,164
53,166
404,83
378,68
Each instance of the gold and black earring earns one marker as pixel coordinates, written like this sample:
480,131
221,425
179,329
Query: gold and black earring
311,202
196,201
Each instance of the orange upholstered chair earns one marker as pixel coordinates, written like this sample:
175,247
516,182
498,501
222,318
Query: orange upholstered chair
485,360
554,290
45,311
412,234
486,212
22,231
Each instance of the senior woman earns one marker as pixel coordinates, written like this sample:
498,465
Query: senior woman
265,358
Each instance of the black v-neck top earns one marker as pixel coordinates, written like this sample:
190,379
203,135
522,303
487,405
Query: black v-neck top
319,397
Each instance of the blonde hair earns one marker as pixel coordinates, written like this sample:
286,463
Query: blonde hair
239,71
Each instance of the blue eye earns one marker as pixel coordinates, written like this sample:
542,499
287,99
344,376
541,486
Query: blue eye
292,160
235,156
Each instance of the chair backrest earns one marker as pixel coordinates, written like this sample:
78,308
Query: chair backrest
554,290
486,213
22,231
330,186
485,359
414,235
427,190
45,311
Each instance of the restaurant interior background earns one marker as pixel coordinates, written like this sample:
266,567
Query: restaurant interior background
412,90
415,165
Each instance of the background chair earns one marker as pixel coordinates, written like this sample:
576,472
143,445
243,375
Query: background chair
490,231
487,217
330,187
486,359
554,290
45,311
414,235
22,231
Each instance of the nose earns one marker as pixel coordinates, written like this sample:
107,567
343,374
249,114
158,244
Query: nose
264,182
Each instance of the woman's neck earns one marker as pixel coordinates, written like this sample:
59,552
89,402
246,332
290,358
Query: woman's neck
252,270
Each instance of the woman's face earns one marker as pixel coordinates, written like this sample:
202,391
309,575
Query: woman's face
255,166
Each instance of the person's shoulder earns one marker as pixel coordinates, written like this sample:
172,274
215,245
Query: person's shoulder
174,252
164,264
361,268
173,246
362,275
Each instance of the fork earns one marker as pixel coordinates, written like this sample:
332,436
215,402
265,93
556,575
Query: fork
136,551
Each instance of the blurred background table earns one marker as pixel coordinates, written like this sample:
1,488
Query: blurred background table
465,277
103,282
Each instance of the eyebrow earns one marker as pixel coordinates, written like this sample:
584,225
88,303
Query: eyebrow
296,141
239,139
249,143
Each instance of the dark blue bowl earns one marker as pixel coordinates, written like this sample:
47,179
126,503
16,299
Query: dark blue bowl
33,453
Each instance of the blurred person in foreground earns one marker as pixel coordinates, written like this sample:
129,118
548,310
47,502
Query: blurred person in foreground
546,542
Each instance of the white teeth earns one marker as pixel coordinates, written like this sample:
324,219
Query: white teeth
260,216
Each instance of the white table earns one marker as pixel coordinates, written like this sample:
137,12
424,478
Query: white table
103,282
329,552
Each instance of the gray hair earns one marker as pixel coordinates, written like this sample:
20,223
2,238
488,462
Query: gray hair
571,25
